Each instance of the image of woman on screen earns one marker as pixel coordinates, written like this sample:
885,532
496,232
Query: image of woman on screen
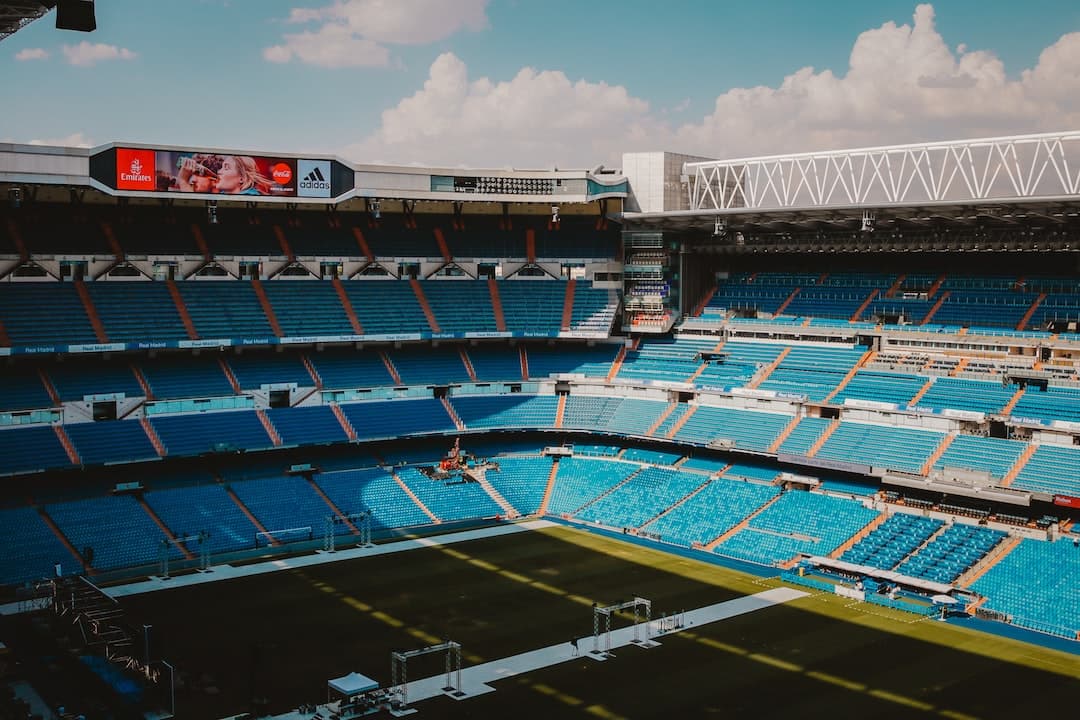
239,175
224,174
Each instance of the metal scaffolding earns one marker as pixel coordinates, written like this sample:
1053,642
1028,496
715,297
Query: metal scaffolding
202,538
361,520
607,612
1002,169
399,682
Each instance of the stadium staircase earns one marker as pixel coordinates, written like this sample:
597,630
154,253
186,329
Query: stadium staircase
960,365
990,560
704,302
922,391
530,245
200,242
496,305
865,360
422,299
314,373
862,308
361,242
1009,406
932,290
415,499
858,537
346,304
790,298
268,309
283,243
568,305
509,510
54,396
350,432
91,311
69,448
1018,466
453,413
152,435
932,537
181,309
1030,312
680,501
682,421
660,420
823,438
51,524
467,362
629,478
250,516
440,240
742,525
938,452
524,359
546,501
164,528
268,427
934,308
767,371
895,287
560,411
697,373
390,367
333,507
16,237
788,429
225,368
110,238
616,364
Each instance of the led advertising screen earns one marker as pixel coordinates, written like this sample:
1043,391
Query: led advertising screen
314,179
206,173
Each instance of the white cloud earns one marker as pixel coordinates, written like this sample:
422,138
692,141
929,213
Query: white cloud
332,46
32,54
73,140
537,118
85,54
903,84
355,33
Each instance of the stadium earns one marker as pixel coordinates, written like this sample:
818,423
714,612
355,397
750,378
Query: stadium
771,436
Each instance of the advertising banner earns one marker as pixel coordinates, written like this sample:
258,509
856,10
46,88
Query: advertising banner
135,169
1067,501
205,173
314,178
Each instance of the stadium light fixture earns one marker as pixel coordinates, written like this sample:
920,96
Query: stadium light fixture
15,197
554,213
375,209
868,221
211,212
719,228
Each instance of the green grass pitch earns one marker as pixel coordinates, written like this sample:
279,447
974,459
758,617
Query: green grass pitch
282,635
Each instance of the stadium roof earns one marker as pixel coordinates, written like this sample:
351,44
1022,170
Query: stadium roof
17,14
995,181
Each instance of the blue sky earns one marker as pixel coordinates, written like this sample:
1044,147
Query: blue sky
531,82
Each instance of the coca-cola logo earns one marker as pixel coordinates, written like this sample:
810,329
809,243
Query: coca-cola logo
282,173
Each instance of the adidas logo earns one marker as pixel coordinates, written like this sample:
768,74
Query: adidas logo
315,180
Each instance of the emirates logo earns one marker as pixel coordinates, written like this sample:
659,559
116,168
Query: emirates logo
136,173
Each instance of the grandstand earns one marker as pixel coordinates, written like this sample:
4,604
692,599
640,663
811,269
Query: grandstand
260,379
